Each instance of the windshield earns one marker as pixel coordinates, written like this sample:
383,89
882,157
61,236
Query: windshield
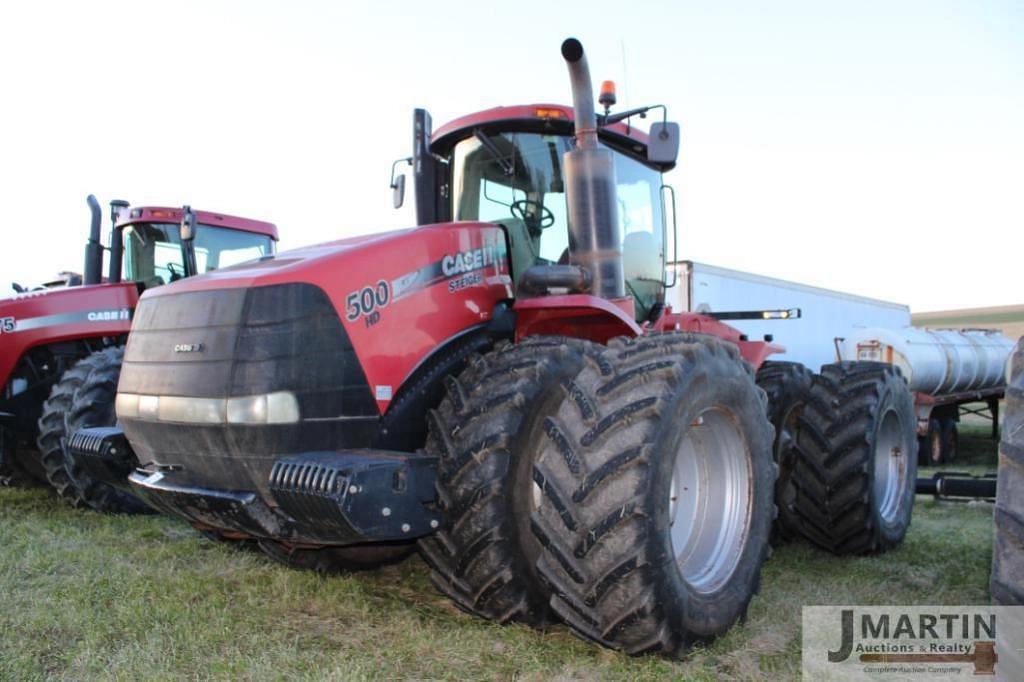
515,179
154,254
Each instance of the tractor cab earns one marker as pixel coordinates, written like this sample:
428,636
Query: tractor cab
505,166
163,245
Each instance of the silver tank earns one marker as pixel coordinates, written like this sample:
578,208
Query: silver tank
935,361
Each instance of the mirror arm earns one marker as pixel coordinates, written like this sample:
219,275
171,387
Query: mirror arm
407,160
624,115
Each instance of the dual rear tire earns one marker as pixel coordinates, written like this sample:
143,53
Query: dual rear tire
855,459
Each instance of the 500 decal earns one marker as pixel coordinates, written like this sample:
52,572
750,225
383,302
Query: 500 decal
368,302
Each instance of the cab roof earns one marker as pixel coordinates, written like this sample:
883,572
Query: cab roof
558,118
163,214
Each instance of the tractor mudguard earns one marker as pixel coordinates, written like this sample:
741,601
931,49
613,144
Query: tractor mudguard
576,315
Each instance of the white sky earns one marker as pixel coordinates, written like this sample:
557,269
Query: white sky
871,147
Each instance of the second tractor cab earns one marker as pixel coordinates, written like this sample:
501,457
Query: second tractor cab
61,348
504,388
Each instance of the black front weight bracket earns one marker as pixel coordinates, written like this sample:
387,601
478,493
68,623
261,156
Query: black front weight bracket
380,495
104,453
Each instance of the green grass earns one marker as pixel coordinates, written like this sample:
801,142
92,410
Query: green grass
85,596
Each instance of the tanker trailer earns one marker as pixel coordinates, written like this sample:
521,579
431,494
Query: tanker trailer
945,369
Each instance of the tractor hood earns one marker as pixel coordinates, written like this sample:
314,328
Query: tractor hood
302,351
307,263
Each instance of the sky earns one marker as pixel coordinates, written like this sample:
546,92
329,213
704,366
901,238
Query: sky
876,148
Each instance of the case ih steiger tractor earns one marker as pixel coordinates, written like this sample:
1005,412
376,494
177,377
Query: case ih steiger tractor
61,347
504,386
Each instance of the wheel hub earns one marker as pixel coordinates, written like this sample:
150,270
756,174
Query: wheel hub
710,500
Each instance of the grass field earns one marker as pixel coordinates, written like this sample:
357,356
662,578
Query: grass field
85,596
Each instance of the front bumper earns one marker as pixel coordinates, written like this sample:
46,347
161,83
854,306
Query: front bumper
317,498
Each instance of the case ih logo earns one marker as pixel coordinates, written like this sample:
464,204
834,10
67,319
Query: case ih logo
109,315
188,348
912,642
467,261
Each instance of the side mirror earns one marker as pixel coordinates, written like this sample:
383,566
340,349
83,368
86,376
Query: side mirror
187,230
398,183
663,142
398,191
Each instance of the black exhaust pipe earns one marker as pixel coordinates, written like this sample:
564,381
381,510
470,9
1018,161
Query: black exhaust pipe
595,240
93,248
116,240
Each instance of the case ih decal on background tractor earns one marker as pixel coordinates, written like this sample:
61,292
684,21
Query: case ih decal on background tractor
504,387
61,348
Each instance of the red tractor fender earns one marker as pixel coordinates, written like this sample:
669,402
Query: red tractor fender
596,319
580,316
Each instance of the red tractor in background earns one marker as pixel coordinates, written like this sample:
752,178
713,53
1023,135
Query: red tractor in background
62,346
504,387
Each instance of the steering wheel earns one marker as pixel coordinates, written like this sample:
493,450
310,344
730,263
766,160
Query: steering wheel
528,211
175,274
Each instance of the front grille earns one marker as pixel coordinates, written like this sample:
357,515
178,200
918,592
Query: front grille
251,341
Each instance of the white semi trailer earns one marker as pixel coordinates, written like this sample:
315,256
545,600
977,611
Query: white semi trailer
946,369
810,339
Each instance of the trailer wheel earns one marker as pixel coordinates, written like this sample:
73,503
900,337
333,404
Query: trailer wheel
856,459
52,431
484,432
93,405
330,560
1007,582
653,496
787,385
929,446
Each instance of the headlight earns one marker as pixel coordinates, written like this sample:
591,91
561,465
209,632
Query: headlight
280,407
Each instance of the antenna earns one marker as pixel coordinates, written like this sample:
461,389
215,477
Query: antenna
625,80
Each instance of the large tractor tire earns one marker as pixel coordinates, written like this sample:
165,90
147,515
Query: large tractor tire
484,432
856,459
52,431
653,497
787,385
92,404
331,560
1007,585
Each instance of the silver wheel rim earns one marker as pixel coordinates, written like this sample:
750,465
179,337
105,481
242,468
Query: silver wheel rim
890,466
710,500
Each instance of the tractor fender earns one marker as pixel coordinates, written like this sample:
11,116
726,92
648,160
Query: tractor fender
577,315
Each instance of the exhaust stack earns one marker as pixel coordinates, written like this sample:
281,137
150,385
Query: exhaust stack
93,248
595,239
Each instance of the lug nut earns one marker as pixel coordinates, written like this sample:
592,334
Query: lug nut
406,528
353,489
434,523
386,511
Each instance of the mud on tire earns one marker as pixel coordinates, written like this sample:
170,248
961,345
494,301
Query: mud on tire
654,486
856,459
1007,583
787,385
483,433
92,404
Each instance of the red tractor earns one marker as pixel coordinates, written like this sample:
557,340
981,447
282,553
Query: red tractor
504,387
62,346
